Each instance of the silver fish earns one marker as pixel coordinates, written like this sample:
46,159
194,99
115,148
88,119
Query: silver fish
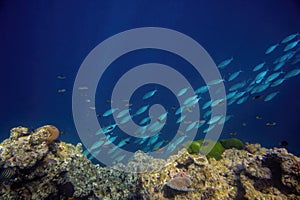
149,94
271,96
224,63
271,48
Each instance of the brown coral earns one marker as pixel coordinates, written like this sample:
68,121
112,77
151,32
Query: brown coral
54,132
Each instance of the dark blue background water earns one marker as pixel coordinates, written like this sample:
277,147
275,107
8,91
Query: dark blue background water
40,40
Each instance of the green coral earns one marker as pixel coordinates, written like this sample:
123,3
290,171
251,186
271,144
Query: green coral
232,143
208,147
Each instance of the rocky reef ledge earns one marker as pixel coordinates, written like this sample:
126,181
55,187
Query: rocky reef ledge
35,165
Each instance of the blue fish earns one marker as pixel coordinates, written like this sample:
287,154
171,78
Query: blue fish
207,113
189,100
142,110
158,145
149,94
109,112
179,110
182,91
270,96
162,117
145,121
230,95
279,66
153,139
125,119
209,128
215,82
239,94
224,63
110,140
217,102
179,140
271,48
289,38
260,88
286,57
261,76
214,119
291,45
123,142
292,73
259,66
180,119
206,105
201,89
237,86
242,100
277,82
123,112
234,75
273,77
191,126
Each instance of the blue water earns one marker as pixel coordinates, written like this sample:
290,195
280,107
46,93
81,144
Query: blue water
41,40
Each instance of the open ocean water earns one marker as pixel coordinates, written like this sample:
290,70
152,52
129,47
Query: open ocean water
43,44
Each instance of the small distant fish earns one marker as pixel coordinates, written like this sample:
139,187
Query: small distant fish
179,110
260,76
273,77
279,66
294,72
92,107
173,107
283,143
182,91
217,102
225,63
214,119
122,113
271,48
260,88
206,105
271,124
291,45
233,133
180,119
128,104
201,89
190,99
271,96
258,117
242,100
277,82
149,94
123,142
145,121
257,97
289,38
125,119
259,66
191,126
61,90
234,75
237,86
88,100
162,117
244,124
109,101
230,95
61,77
109,112
83,88
215,82
142,110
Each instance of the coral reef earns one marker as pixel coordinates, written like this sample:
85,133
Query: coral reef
35,165
232,143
